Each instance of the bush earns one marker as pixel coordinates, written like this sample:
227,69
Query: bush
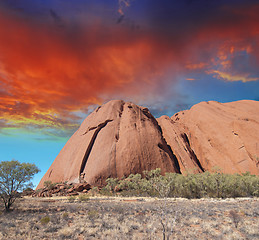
71,198
205,184
94,191
112,183
106,191
235,217
92,214
45,220
49,185
83,198
65,215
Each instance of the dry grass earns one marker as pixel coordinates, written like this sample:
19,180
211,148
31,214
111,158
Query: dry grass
130,218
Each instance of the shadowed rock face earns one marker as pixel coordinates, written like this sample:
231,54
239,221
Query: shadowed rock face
120,138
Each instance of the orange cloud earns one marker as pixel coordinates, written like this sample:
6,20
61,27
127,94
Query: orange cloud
232,62
231,77
46,71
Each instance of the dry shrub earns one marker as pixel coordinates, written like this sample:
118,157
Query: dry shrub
235,217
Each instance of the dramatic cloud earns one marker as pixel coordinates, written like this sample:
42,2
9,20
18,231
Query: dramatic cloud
230,77
236,61
53,65
122,5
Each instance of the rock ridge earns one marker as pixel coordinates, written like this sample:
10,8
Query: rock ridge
120,138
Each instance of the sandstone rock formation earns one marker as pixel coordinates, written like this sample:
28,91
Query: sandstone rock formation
121,138
215,135
117,139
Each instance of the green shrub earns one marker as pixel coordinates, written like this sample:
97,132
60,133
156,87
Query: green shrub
71,198
45,220
106,191
215,184
112,183
49,185
83,198
94,191
92,214
65,215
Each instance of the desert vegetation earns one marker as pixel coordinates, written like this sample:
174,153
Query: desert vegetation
171,185
131,218
14,178
147,206
212,185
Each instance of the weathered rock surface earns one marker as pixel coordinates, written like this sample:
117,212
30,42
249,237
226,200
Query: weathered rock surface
116,140
176,137
61,189
215,135
121,138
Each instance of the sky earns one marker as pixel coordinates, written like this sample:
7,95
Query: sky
60,59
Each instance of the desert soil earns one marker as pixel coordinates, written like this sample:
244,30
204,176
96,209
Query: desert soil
131,218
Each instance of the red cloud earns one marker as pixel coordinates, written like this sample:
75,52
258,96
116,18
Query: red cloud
49,70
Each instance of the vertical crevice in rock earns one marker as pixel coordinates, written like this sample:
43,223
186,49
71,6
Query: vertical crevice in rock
171,154
168,147
121,109
117,137
192,153
176,162
90,146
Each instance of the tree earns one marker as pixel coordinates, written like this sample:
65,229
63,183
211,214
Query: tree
15,177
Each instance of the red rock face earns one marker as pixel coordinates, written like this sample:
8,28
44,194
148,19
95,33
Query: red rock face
222,136
120,138
117,139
